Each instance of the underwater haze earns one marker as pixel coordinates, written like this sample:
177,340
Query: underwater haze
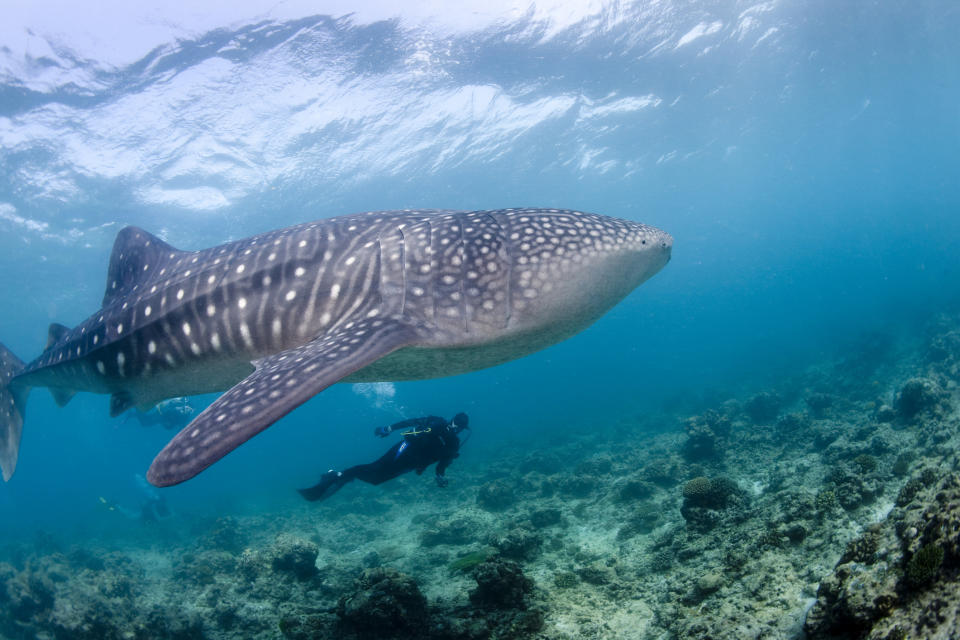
802,154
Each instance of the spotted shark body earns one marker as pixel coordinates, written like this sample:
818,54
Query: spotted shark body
276,318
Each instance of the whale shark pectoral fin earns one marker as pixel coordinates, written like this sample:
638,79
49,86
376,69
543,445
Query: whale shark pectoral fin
280,383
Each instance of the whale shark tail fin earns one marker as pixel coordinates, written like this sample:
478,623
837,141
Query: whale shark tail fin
13,400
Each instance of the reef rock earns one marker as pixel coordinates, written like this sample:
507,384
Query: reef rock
706,436
763,408
901,579
496,495
385,604
456,531
917,396
501,584
295,556
707,502
519,544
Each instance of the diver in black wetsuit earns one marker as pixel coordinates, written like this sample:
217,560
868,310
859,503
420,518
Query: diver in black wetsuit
431,439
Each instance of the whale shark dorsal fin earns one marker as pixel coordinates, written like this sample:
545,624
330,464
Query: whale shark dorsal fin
54,333
280,383
136,257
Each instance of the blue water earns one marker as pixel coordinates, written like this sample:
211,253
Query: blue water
802,154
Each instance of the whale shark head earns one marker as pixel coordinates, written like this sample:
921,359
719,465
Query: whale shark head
576,266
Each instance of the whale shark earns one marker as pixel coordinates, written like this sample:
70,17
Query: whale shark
276,318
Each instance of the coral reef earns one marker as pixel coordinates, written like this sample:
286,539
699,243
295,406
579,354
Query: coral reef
708,502
496,495
901,578
385,603
820,404
56,596
918,395
764,407
706,436
456,531
296,556
501,584
519,544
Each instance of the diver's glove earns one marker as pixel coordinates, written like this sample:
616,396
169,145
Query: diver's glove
441,481
382,432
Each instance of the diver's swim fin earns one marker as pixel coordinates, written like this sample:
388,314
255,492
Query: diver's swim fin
331,482
13,401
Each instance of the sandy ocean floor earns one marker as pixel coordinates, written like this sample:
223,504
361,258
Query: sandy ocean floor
825,504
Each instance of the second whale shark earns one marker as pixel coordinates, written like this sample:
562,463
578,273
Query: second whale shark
276,318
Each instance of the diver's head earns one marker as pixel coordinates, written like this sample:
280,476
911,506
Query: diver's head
459,423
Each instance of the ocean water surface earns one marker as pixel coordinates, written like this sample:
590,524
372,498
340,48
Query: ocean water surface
803,154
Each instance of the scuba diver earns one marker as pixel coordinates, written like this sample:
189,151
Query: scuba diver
153,506
430,439
174,413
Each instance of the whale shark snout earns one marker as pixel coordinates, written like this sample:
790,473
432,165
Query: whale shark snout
665,243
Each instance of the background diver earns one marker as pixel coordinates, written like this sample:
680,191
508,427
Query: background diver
152,505
174,413
430,439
